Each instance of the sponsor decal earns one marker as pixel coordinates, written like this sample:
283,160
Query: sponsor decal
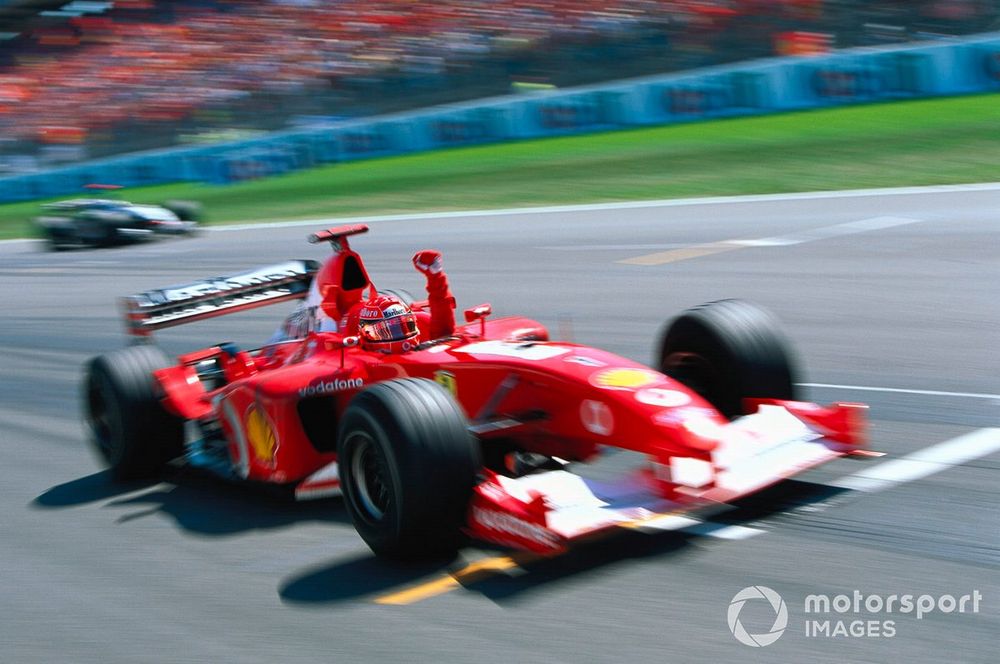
624,378
222,285
658,396
512,525
530,350
331,385
596,417
585,361
260,436
446,379
369,313
394,310
678,416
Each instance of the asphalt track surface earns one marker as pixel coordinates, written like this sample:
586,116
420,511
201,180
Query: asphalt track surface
891,300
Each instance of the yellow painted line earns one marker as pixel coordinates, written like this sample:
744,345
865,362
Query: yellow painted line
469,574
674,255
481,569
677,518
421,592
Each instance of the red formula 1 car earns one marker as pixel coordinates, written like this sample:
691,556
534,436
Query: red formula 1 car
474,433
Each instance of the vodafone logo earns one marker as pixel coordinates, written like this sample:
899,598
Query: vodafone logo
331,385
596,417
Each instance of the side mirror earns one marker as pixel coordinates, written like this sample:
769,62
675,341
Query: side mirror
478,312
337,342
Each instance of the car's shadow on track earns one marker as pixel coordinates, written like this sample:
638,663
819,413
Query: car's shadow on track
367,577
359,577
89,489
196,502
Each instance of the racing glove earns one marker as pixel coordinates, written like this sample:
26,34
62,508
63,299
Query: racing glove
428,262
439,297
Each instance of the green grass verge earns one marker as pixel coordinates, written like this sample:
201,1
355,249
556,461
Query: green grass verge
939,141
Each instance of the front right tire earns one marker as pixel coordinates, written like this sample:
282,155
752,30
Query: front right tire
728,351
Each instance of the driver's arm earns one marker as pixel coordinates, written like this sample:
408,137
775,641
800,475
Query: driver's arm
442,302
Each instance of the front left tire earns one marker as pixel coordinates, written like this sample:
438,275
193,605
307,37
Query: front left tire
408,465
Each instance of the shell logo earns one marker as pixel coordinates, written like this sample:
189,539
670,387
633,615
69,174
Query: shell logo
261,436
624,378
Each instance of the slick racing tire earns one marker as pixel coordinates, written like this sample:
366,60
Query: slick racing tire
129,427
58,232
100,228
185,210
728,351
408,465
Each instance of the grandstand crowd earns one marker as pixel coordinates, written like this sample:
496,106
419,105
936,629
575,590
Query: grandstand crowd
149,69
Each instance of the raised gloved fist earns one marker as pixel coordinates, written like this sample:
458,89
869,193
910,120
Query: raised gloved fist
428,261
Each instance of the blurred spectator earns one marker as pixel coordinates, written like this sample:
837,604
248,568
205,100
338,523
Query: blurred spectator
148,72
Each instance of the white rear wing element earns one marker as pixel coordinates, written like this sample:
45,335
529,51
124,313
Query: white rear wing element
175,305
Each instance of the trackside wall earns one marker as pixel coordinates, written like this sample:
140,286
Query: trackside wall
954,67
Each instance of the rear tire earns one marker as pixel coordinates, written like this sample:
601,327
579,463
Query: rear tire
728,351
130,428
58,232
408,465
100,228
185,210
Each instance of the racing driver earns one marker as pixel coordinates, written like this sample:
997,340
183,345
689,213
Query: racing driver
384,322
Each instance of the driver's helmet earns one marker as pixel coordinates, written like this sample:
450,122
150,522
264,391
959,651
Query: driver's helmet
386,324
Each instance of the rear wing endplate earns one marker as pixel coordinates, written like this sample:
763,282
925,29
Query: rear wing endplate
166,307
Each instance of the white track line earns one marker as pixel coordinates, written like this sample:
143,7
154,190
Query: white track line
826,232
692,525
621,205
628,205
898,390
723,531
925,462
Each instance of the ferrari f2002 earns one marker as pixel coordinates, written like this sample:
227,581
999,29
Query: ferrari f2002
434,432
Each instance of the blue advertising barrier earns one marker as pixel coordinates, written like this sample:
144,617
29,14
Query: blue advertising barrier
959,66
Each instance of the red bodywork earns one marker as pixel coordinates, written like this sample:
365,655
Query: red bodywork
278,408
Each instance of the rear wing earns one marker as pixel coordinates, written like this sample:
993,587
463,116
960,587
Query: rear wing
166,307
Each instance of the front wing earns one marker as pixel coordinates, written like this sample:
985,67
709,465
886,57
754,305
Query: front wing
545,512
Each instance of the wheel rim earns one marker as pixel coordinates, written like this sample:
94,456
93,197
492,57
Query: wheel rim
370,478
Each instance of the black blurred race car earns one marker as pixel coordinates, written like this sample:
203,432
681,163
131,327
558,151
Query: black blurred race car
102,222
